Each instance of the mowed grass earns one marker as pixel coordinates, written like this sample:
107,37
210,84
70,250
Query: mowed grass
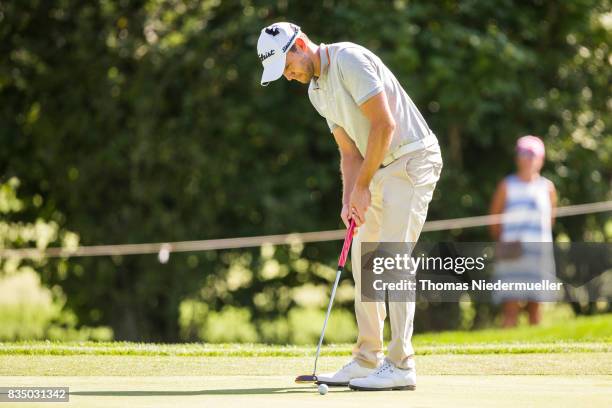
582,334
572,363
560,364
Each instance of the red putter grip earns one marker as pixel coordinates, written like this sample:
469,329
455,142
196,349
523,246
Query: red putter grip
347,244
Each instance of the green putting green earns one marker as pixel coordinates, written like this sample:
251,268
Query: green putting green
280,391
457,380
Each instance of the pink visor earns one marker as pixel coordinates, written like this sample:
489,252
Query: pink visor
530,144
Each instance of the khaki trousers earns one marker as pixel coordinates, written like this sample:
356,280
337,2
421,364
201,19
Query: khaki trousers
401,193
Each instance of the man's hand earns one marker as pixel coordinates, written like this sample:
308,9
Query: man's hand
359,204
345,214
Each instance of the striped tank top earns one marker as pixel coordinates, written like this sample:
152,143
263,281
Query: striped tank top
527,211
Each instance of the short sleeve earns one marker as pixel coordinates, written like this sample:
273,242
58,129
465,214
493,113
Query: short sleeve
331,125
359,75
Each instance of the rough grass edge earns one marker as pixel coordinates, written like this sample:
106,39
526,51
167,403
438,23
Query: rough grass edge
262,350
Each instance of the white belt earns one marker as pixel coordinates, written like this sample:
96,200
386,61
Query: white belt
427,141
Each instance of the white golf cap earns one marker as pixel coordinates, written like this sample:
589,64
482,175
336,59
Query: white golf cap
272,47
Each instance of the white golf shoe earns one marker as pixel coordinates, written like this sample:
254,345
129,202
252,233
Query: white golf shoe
387,377
345,374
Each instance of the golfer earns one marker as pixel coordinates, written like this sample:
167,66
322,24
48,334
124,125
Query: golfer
390,163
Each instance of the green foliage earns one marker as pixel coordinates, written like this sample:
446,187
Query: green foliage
275,331
28,309
8,196
231,324
144,121
342,327
83,333
305,325
192,319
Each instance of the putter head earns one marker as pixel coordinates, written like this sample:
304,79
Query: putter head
310,378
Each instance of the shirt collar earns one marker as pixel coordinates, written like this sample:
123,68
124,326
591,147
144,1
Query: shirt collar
324,55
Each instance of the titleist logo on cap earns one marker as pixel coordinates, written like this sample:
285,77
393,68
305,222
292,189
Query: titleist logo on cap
266,55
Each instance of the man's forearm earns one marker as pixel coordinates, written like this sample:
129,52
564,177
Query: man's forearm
378,145
349,166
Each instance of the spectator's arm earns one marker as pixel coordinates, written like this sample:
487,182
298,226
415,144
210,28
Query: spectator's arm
553,202
497,207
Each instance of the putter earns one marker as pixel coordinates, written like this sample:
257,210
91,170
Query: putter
341,262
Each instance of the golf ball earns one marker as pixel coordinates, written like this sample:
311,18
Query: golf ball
323,389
